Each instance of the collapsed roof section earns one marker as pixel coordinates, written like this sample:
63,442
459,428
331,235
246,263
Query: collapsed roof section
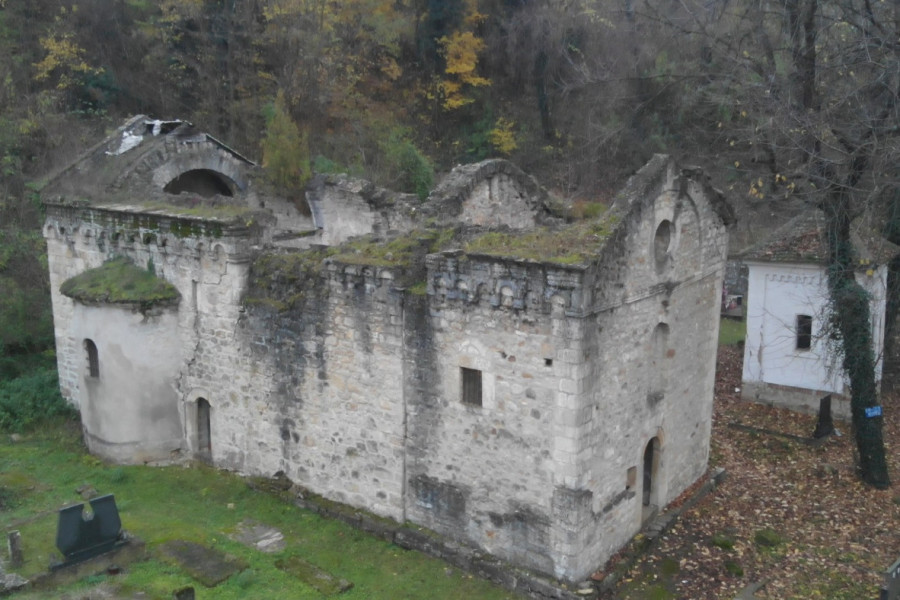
149,161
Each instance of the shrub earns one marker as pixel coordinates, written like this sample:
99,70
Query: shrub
27,401
285,148
415,174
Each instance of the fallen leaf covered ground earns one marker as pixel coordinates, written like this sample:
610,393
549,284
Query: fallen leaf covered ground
793,515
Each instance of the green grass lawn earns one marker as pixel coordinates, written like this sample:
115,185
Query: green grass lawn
41,472
732,331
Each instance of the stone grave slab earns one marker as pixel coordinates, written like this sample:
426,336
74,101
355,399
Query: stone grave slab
207,565
313,576
260,536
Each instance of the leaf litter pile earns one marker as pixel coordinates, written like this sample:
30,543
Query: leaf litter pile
790,515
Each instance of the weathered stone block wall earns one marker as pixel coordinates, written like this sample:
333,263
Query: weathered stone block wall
647,372
498,201
490,193
343,207
206,264
486,473
324,383
352,428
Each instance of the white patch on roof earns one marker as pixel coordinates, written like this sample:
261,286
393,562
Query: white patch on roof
129,141
157,125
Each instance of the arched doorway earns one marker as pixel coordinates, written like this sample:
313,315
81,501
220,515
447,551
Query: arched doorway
650,469
204,437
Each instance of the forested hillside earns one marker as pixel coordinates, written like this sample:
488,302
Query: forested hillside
785,102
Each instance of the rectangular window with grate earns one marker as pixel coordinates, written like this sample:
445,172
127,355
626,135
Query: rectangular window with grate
471,386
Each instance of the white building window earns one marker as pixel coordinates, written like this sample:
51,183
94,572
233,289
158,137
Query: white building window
804,332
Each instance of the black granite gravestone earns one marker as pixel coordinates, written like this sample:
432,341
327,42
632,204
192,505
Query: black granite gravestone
81,537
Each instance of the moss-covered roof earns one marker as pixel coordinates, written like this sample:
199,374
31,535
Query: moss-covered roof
119,281
577,243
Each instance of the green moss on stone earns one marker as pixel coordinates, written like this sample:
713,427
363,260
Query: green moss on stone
119,281
574,244
398,252
282,282
420,288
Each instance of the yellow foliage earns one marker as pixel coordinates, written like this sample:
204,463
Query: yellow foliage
502,137
451,91
64,57
473,17
460,52
390,68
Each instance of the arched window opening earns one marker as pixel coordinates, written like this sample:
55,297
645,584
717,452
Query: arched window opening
204,437
662,245
651,464
93,358
659,366
205,182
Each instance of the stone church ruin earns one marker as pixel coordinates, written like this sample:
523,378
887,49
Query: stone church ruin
473,363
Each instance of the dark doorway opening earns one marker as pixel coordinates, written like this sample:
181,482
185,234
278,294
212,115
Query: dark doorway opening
648,473
650,466
204,439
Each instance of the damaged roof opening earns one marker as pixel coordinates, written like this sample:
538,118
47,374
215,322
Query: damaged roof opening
204,182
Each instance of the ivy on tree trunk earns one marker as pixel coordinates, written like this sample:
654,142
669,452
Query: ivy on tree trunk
851,316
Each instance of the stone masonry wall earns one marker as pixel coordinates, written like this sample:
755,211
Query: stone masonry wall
324,383
208,267
486,473
647,370
353,386
498,201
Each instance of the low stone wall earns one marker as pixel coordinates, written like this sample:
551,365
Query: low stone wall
794,398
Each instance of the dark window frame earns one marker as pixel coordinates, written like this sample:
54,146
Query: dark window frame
804,332
93,358
471,387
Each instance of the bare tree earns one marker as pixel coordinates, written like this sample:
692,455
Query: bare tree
803,96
